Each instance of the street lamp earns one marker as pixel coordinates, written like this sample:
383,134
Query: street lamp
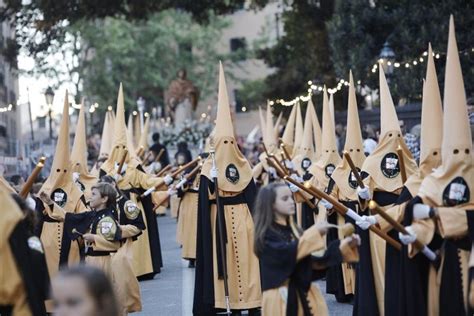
49,96
141,109
387,59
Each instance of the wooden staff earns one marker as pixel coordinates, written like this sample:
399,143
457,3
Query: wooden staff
31,179
188,176
165,169
285,151
42,160
160,153
354,169
430,254
282,174
147,157
342,210
140,151
122,162
174,174
401,163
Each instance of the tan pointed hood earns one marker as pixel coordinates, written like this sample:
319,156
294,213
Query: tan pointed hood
121,141
331,108
383,164
277,125
137,132
11,216
144,135
451,183
234,170
330,158
130,132
288,137
79,156
59,184
107,134
317,133
299,129
353,145
305,155
272,140
431,128
4,185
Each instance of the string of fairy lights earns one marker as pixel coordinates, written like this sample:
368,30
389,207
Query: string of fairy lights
314,88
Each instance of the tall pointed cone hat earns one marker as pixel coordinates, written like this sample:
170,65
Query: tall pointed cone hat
277,125
305,155
343,176
130,131
144,135
107,134
272,141
137,132
450,184
383,164
298,130
431,128
120,141
59,184
79,156
330,158
263,125
288,137
234,171
11,216
317,134
331,108
5,186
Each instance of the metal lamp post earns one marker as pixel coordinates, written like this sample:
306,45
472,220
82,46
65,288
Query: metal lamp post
141,109
49,96
387,59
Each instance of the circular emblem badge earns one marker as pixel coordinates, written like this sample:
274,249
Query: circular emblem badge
305,163
232,174
59,197
35,244
107,228
329,169
131,210
352,180
390,166
456,193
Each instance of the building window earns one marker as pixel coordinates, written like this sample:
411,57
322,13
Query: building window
238,46
41,121
3,131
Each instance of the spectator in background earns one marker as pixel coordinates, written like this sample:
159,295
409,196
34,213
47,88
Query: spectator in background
17,182
369,143
83,291
413,145
157,147
183,155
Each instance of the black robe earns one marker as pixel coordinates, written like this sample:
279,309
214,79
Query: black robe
307,213
203,303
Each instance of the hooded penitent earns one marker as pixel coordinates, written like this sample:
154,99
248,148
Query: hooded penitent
277,125
298,130
234,169
62,190
318,139
431,128
143,143
343,175
305,155
329,159
120,141
107,133
450,184
288,137
79,157
383,164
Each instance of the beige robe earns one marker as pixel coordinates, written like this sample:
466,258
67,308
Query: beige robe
186,233
242,264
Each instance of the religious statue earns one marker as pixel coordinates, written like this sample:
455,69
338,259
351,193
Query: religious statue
181,98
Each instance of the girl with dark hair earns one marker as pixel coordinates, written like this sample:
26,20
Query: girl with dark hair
83,291
291,259
98,228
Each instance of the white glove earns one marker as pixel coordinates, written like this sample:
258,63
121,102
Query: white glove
117,177
407,239
156,167
421,211
327,205
289,164
272,172
168,179
75,176
295,177
124,167
293,188
214,172
366,221
363,193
